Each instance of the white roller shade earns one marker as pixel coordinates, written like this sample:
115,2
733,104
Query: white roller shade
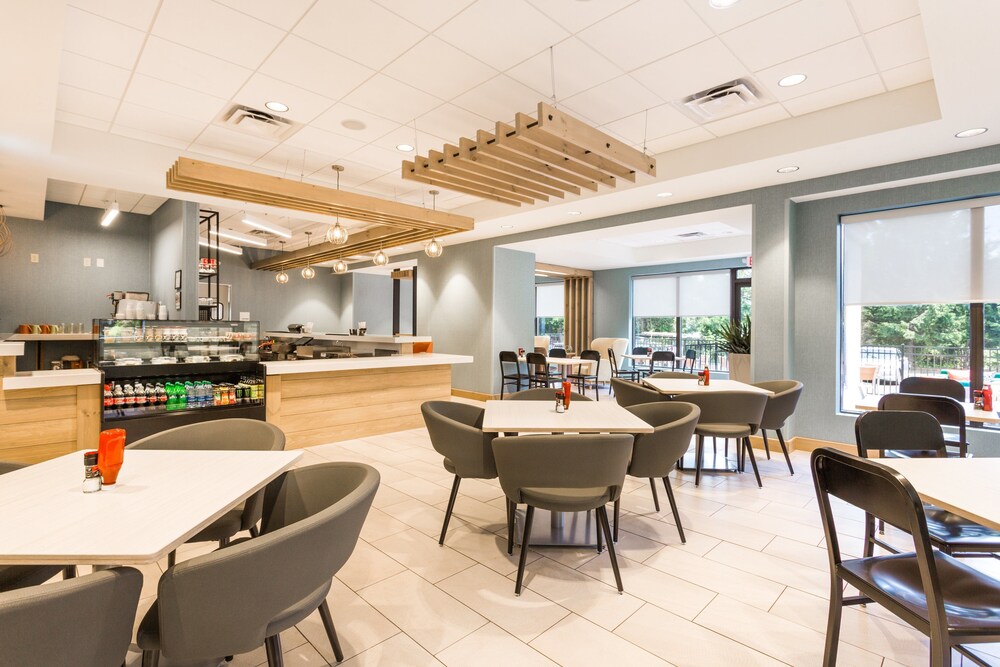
654,296
991,254
704,294
549,300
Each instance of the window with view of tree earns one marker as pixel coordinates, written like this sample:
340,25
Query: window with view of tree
920,290
549,319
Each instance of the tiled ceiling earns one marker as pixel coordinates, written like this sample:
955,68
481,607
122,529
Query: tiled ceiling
362,77
99,197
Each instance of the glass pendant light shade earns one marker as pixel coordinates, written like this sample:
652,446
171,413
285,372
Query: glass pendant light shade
309,273
434,248
380,259
282,277
340,266
336,234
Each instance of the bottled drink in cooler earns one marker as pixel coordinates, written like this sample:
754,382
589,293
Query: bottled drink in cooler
140,395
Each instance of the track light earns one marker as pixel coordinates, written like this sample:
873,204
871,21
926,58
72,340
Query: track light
267,226
240,236
224,247
110,213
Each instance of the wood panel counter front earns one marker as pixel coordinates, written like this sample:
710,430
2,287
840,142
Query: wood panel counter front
328,400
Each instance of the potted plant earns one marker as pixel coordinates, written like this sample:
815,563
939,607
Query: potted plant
734,340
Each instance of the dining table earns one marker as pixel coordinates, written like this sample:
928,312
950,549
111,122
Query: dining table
675,386
972,414
964,486
161,499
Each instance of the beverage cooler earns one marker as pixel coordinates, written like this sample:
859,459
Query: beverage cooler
162,374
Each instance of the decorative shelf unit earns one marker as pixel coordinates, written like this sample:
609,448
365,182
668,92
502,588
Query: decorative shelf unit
209,307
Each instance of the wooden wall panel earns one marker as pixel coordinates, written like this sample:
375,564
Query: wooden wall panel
39,424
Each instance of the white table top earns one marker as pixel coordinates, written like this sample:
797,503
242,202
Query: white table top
870,402
685,386
162,498
967,487
541,417
563,361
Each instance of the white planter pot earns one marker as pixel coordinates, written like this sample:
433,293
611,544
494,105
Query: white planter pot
739,368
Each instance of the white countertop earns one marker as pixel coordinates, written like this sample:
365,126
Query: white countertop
361,363
53,337
11,349
367,338
70,377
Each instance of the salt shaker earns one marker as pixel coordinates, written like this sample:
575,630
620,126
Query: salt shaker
91,475
560,406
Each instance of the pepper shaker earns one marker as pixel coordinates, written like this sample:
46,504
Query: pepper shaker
91,475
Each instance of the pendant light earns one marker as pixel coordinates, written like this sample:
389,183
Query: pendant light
434,247
309,272
282,277
337,234
380,259
340,266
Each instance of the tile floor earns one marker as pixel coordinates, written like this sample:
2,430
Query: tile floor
748,588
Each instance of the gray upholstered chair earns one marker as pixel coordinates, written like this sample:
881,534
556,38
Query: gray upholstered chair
562,473
543,394
456,431
779,408
672,375
13,577
727,414
655,454
632,393
82,621
241,596
221,434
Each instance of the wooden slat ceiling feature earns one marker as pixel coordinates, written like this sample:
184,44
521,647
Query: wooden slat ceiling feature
551,156
393,223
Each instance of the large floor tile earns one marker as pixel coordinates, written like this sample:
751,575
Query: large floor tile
666,533
764,565
576,641
359,626
487,548
769,523
399,650
378,524
490,646
423,555
664,590
425,518
367,566
484,515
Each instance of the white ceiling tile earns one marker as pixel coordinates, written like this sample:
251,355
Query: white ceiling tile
360,30
747,120
231,145
63,191
791,32
427,15
439,68
615,99
158,122
192,69
292,162
830,97
150,137
93,75
646,31
378,158
282,14
324,143
354,174
500,98
575,15
217,30
875,15
101,39
908,75
898,44
659,122
390,186
403,134
825,68
334,118
149,92
577,68
502,33
392,99
694,69
86,103
303,105
99,197
314,68
452,122
722,20
134,13
82,121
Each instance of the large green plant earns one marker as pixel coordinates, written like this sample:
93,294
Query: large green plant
734,336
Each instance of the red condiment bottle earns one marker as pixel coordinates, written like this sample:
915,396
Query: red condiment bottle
567,390
988,398
706,374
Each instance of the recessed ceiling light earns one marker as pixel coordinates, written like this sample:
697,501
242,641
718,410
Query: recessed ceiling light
721,4
792,80
574,212
787,170
277,106
973,132
352,124
664,194
406,148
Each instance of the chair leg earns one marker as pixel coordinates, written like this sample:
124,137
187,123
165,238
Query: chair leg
618,516
224,542
272,645
833,624
600,534
784,450
753,461
656,499
451,506
172,558
869,550
331,632
511,509
602,515
69,572
697,459
150,658
767,446
254,531
673,508
528,516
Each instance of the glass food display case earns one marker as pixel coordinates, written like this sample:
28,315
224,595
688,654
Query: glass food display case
159,374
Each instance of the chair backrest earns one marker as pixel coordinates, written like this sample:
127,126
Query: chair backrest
614,361
221,603
883,430
728,407
670,375
883,493
654,454
590,355
456,432
690,355
663,355
947,411
559,352
632,393
537,363
781,404
641,350
933,387
544,394
80,621
227,434
562,462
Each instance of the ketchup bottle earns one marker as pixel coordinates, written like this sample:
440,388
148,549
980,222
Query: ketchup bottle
706,375
988,398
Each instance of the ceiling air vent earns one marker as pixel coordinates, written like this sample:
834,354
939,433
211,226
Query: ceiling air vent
692,235
256,122
722,101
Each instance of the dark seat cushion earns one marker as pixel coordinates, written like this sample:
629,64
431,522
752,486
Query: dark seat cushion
566,500
957,532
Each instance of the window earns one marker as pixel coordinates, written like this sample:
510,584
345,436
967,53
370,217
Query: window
549,320
919,296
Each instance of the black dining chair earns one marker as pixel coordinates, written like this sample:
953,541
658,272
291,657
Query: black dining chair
940,596
947,411
660,360
617,372
510,375
582,377
538,371
690,364
558,352
933,387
